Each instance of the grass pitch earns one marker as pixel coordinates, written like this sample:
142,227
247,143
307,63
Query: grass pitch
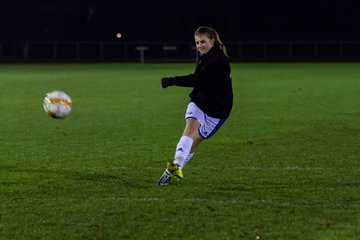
284,166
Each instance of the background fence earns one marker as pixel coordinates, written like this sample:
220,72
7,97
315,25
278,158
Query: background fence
241,51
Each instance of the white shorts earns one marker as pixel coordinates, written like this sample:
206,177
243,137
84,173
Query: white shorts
208,125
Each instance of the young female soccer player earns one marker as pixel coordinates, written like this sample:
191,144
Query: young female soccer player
211,98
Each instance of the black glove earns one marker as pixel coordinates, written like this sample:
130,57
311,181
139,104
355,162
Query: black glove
166,82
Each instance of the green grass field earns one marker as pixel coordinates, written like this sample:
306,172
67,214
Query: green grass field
284,166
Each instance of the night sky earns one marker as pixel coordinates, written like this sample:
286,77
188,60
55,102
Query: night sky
175,20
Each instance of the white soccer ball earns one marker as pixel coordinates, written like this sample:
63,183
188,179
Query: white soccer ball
57,104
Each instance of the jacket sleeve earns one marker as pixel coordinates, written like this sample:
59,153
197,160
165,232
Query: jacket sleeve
202,76
183,81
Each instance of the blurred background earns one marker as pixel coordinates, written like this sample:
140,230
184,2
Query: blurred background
129,30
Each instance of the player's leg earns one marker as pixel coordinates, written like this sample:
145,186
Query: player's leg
186,145
199,126
200,132
188,142
196,142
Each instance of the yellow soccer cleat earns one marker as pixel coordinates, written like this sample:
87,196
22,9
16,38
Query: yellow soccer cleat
171,170
174,170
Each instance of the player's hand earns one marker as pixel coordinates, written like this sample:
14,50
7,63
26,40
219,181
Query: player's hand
165,82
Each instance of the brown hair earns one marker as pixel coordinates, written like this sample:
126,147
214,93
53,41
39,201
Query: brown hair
212,34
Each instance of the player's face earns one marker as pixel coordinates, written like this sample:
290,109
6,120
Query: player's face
203,43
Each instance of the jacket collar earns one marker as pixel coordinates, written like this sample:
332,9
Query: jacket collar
213,51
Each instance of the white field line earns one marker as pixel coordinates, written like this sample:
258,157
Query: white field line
257,202
242,168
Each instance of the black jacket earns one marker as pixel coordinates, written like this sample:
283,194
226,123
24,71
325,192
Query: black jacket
211,82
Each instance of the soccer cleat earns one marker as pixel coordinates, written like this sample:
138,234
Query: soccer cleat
174,170
165,178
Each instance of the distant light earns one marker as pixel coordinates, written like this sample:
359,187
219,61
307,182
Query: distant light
118,35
